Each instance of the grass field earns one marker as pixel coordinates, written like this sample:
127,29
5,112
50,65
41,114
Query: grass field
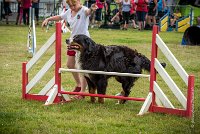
81,117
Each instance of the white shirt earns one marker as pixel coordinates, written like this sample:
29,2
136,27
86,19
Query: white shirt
79,23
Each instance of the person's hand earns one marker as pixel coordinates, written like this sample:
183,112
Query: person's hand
94,7
45,22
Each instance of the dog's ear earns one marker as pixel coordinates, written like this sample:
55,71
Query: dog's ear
89,44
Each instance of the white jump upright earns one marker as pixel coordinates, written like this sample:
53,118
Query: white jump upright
53,93
27,85
155,90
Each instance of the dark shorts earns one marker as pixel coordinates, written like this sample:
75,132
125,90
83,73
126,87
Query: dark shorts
126,17
7,10
141,15
133,16
98,14
151,12
18,8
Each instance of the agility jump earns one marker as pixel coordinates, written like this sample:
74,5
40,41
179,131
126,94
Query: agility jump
54,93
181,24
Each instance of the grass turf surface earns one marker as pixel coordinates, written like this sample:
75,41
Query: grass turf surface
22,116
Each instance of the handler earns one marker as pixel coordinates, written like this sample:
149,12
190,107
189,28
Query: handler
78,18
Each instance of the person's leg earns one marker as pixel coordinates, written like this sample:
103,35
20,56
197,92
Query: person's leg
172,22
127,19
17,19
83,84
148,19
24,16
18,14
37,15
139,20
134,21
83,88
28,16
6,14
71,65
144,17
21,15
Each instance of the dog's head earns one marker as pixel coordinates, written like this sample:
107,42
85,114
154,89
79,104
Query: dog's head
81,43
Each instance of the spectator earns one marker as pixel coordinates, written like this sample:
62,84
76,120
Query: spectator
26,5
98,16
175,17
126,8
151,18
161,8
141,12
19,12
117,18
7,10
133,14
198,21
35,5
88,4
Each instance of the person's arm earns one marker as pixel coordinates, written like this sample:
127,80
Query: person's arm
163,4
91,9
53,18
146,2
118,1
117,14
156,5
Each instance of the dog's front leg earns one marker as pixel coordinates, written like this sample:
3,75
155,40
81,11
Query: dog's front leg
101,87
121,101
92,99
101,100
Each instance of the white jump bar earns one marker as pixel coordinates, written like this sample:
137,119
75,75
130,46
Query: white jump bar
103,72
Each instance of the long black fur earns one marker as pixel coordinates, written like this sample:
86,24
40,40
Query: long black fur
112,58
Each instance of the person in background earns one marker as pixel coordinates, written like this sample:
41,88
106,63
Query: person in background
152,13
141,12
126,8
19,12
7,10
35,5
77,17
198,21
26,5
88,4
117,18
98,14
133,14
175,17
161,8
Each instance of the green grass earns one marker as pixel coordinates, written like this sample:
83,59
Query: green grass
81,117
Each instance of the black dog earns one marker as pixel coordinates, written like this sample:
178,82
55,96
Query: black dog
96,57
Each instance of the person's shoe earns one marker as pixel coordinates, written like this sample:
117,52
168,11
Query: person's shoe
77,97
77,89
